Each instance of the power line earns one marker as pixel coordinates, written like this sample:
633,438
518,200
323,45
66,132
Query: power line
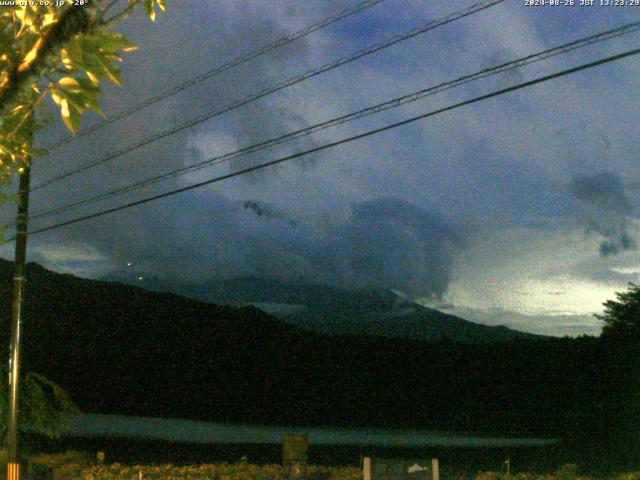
396,102
221,69
477,7
343,141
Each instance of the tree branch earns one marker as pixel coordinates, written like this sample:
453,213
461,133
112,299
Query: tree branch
21,75
122,14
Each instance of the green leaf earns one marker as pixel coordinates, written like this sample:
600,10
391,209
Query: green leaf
150,7
115,42
73,99
70,84
109,70
72,54
150,10
88,58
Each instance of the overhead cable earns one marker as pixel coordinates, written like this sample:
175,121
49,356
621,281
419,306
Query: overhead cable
380,107
343,141
425,27
220,69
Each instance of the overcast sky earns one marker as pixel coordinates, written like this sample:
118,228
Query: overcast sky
520,210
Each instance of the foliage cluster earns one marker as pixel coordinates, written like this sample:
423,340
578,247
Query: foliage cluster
44,406
73,466
567,472
58,466
621,317
63,52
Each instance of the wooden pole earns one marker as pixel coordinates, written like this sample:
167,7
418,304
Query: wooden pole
19,280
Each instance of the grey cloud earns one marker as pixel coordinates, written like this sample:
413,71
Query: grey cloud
259,209
167,57
388,243
269,212
619,270
258,123
612,213
500,56
621,242
604,190
385,244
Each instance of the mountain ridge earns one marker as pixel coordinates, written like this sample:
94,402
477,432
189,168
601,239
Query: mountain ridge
334,310
119,349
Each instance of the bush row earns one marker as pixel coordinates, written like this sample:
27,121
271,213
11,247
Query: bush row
78,466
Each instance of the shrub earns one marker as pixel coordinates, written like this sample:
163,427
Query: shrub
59,466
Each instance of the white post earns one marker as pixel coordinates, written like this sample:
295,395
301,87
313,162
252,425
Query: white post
366,468
435,469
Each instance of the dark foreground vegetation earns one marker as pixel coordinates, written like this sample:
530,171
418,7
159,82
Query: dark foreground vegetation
120,349
77,466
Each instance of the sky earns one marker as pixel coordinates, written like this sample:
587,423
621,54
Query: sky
520,210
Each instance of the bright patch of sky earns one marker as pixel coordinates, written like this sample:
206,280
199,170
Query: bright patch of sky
540,281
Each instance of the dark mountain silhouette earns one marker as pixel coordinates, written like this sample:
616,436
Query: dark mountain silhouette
348,312
121,349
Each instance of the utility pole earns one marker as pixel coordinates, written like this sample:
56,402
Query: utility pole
19,280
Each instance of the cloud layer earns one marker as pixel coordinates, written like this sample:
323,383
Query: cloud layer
399,210
613,212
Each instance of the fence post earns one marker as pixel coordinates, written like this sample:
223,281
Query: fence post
295,456
366,468
435,469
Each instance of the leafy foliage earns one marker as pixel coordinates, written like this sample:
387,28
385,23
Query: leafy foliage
61,466
73,466
64,52
43,405
622,317
606,427
78,470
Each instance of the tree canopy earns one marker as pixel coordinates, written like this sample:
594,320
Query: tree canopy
59,51
622,316
44,405
62,50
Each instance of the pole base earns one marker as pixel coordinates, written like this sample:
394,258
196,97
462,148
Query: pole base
13,471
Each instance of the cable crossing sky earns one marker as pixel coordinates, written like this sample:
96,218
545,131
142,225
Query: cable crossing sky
393,40
546,78
360,7
380,107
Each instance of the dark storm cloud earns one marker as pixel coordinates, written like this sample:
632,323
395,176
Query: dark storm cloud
260,122
604,190
168,56
384,243
613,211
269,212
621,241
259,209
193,238
388,243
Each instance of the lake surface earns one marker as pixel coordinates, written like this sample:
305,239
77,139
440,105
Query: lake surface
188,431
